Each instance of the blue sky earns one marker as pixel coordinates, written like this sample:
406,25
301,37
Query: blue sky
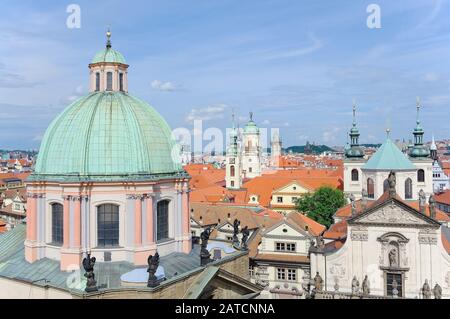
296,64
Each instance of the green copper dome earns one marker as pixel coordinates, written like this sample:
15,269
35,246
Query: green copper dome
389,157
107,136
109,55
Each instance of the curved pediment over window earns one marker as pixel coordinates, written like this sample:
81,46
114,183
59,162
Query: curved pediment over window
393,236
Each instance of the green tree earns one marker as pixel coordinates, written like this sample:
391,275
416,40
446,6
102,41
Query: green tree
322,204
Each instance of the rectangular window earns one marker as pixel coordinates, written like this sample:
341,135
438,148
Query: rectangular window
109,79
121,81
390,277
281,274
290,247
292,274
97,81
294,199
280,247
162,220
279,199
285,247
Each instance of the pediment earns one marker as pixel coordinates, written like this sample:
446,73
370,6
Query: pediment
393,213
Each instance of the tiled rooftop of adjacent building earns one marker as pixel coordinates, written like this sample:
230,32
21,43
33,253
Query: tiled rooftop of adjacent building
47,271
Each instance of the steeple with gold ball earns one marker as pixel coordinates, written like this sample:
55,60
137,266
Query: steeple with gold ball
354,151
419,150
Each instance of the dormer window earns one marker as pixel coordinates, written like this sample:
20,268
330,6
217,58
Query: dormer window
109,80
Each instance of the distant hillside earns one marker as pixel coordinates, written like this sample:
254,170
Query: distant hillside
371,145
315,149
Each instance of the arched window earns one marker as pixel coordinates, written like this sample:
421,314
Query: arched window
385,185
370,188
97,81
421,176
408,188
162,220
232,171
57,224
109,78
108,225
121,81
355,174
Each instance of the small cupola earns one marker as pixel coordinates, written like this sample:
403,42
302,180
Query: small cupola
108,70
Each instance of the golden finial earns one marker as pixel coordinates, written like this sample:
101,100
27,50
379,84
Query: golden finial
108,36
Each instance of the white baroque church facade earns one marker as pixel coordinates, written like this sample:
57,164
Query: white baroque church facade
414,171
391,241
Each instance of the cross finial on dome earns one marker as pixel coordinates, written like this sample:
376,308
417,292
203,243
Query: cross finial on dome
418,109
354,112
108,37
251,116
388,132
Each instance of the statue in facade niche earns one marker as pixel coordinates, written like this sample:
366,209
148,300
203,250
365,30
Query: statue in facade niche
393,262
366,286
318,282
88,265
355,285
426,290
437,291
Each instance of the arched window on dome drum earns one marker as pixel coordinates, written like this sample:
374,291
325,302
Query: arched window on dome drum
370,188
162,220
121,82
109,79
421,176
385,185
355,175
57,224
232,171
108,225
408,188
97,81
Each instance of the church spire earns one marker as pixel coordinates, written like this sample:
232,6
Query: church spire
354,151
419,150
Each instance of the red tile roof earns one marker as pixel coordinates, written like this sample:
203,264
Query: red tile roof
443,197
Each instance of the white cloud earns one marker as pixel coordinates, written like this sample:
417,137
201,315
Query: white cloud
431,77
330,136
163,86
75,95
437,100
315,45
207,113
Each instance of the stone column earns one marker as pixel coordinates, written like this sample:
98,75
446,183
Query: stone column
31,217
187,245
31,249
138,221
77,222
150,218
66,221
